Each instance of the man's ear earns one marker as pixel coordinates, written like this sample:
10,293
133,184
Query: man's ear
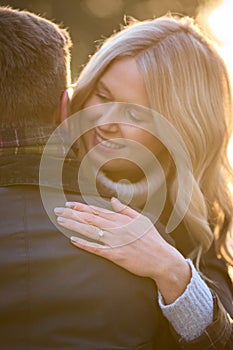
63,111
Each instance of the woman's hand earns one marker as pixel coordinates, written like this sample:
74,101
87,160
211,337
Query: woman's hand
130,241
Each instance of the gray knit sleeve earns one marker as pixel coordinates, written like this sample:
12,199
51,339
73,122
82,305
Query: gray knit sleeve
192,312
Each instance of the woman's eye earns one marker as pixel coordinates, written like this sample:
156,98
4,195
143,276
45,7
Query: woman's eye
102,97
134,116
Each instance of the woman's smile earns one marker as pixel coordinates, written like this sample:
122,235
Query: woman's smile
108,144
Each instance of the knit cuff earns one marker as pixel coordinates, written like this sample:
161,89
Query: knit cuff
192,312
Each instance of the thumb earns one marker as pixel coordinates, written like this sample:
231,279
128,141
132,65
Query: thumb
123,208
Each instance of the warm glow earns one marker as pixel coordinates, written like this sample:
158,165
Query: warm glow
103,8
221,24
220,21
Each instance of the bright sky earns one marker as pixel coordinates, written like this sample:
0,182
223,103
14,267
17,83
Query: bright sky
221,24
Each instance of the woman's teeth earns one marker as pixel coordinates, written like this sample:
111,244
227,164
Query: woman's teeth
106,143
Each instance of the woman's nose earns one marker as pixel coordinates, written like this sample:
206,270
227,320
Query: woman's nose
108,127
108,121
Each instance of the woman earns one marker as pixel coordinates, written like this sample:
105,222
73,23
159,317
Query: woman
166,72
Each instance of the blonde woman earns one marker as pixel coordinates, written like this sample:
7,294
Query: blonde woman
164,71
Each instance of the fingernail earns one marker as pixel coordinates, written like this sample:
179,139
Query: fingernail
61,219
70,204
116,200
74,239
58,210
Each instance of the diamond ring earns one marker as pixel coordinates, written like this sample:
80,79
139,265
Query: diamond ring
101,233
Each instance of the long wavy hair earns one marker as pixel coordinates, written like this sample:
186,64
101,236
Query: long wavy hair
187,82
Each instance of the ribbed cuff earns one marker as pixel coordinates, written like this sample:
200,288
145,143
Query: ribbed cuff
192,312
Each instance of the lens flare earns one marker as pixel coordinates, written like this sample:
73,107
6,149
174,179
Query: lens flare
219,22
216,17
221,25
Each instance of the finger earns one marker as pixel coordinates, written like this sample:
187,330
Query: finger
84,229
123,208
91,219
92,209
107,237
71,204
83,207
67,213
91,247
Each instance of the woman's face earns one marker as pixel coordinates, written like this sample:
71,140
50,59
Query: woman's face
121,82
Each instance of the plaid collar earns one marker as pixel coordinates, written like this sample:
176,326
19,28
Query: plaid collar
30,140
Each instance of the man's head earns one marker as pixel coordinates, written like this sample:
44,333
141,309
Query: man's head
34,68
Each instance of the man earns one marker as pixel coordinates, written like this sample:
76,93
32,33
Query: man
52,296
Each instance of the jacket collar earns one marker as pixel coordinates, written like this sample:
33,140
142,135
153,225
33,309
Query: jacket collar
20,155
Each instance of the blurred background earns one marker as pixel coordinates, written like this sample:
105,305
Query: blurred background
90,20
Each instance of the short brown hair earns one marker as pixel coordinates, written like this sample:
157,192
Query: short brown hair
34,67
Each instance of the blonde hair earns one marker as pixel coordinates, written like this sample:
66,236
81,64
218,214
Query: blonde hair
187,82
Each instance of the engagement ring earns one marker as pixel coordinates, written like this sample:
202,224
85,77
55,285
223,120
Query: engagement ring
101,233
